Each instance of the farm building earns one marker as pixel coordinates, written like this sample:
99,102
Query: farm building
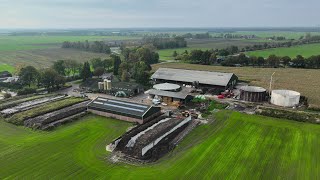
170,97
5,74
129,88
197,78
285,98
122,110
253,94
125,89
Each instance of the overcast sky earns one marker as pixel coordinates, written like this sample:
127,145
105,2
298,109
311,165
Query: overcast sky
158,13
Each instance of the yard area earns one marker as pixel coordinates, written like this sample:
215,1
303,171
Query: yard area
305,81
234,146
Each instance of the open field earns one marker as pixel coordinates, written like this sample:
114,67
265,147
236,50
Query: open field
304,81
41,51
45,57
6,67
14,43
235,146
304,50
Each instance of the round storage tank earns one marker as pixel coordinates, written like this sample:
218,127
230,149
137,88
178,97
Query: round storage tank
253,94
285,98
167,87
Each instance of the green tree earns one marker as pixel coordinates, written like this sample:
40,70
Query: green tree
141,73
116,64
273,61
299,62
285,60
125,76
51,79
28,75
124,66
260,61
175,54
98,71
213,58
96,63
86,72
107,64
59,67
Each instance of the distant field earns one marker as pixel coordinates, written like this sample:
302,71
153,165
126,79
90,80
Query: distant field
265,34
236,146
6,67
14,43
45,57
301,80
41,51
304,50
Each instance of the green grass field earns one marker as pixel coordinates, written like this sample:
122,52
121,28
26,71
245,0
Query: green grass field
304,50
6,67
235,146
14,43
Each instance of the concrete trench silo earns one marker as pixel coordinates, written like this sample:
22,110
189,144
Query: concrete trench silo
253,94
285,98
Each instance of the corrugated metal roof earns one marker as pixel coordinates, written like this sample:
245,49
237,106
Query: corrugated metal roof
117,106
179,95
183,75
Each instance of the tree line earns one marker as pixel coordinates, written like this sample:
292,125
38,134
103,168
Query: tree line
165,43
134,65
273,61
209,57
96,46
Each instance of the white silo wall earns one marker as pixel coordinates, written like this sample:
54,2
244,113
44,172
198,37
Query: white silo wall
285,98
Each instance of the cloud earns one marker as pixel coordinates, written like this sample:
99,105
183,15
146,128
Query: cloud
156,13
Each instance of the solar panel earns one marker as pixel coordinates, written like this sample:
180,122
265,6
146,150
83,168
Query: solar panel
101,99
122,107
129,104
97,102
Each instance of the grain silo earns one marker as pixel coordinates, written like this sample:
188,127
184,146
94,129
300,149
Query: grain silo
253,94
101,85
107,84
285,98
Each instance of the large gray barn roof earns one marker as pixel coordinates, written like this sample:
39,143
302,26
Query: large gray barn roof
119,107
182,75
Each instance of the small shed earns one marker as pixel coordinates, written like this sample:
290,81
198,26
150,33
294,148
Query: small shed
123,110
169,97
5,74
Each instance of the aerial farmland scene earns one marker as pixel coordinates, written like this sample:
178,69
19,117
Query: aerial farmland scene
159,89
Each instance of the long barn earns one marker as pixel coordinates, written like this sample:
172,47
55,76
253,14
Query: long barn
190,77
123,110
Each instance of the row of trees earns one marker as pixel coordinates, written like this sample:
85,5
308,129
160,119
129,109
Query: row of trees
135,65
197,36
166,43
299,61
198,56
96,46
47,78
